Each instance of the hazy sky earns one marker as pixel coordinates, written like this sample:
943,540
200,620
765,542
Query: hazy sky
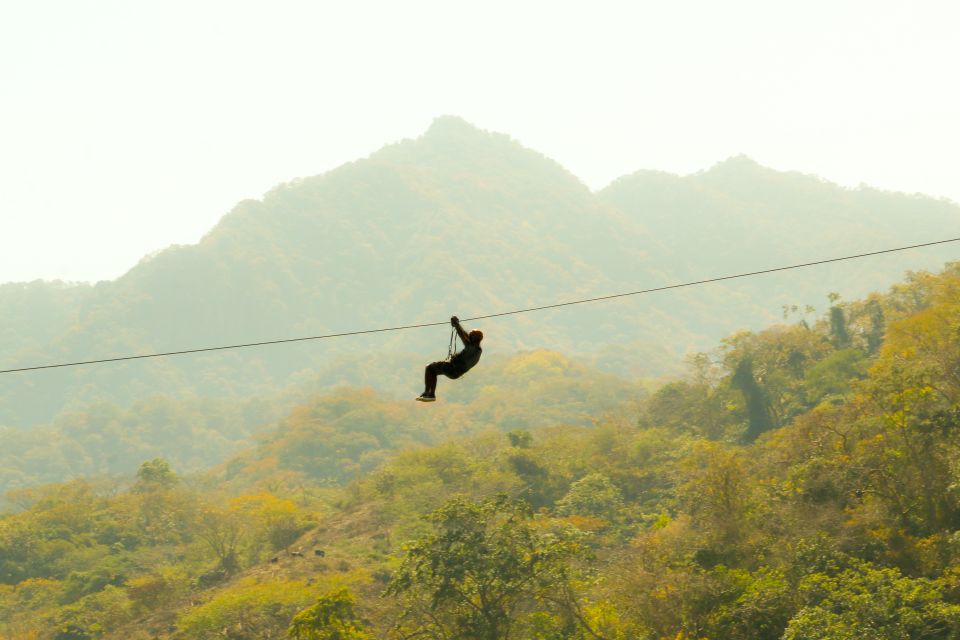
129,126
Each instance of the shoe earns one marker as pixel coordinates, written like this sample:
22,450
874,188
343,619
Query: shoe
425,398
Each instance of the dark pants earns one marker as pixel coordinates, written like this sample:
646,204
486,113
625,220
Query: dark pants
435,369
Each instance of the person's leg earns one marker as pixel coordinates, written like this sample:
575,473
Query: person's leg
430,379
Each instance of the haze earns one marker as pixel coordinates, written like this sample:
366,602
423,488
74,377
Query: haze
126,127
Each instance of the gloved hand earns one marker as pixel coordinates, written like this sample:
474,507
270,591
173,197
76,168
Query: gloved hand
454,320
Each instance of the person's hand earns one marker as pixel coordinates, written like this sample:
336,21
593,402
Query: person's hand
454,320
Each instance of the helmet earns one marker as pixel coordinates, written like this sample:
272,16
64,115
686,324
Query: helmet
475,336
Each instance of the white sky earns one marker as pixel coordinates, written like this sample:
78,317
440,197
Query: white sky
128,126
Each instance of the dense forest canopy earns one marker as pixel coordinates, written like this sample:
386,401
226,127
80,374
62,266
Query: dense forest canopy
799,482
341,432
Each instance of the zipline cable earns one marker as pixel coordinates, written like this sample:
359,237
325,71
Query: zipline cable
492,315
717,279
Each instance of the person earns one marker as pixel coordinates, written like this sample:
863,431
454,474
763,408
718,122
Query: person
458,365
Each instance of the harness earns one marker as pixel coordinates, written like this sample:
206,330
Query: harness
452,349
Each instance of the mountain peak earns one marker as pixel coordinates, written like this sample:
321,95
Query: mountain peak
450,124
739,162
454,144
452,132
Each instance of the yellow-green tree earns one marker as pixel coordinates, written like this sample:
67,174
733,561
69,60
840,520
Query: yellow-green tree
487,572
332,617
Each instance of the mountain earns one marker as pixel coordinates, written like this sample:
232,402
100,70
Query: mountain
740,217
705,221
461,221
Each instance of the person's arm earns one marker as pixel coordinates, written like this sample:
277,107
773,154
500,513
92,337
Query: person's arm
455,321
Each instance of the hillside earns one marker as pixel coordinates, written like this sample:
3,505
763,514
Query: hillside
798,484
329,437
460,221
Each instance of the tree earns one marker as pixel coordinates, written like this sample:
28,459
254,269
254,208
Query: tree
768,370
759,419
272,522
223,530
592,495
520,438
914,391
834,374
877,326
164,507
869,602
331,618
247,610
154,475
838,324
717,493
760,612
486,572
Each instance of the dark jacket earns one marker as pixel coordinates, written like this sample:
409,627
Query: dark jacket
466,359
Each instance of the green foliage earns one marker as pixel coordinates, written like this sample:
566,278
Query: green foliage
72,632
485,572
155,475
877,326
161,588
520,438
190,432
338,436
592,495
87,558
250,609
839,521
872,602
760,612
106,609
833,375
759,419
109,570
332,617
838,328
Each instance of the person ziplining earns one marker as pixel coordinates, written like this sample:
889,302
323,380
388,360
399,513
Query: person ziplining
476,356
456,364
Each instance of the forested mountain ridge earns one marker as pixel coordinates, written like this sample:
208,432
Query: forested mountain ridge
798,484
461,221
414,232
705,219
